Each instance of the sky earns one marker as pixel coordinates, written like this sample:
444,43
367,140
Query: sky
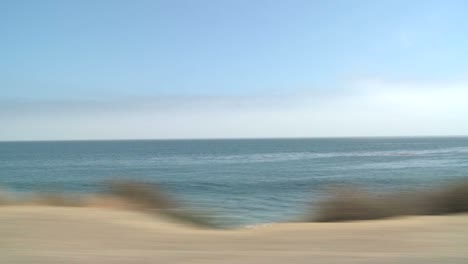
170,69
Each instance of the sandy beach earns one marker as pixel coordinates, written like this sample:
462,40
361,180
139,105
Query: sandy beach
41,234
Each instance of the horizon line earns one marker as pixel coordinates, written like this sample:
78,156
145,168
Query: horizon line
230,138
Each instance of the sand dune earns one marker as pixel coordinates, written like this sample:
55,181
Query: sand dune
39,234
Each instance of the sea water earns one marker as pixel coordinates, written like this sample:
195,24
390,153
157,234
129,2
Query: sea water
247,181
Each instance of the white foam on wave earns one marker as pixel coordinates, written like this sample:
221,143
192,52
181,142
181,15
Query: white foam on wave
292,156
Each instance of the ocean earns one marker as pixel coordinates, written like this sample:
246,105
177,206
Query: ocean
243,181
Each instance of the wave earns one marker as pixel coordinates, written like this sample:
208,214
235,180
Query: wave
200,159
406,164
293,156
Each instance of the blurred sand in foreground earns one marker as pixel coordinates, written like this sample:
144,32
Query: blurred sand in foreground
41,234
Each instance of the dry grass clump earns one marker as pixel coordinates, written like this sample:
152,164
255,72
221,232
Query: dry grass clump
5,198
40,198
141,195
150,197
348,204
122,194
54,199
345,204
453,199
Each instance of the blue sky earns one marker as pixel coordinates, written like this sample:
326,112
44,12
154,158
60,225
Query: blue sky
187,65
